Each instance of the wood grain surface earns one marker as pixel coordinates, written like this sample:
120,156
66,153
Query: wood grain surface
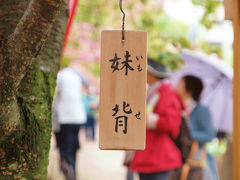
123,90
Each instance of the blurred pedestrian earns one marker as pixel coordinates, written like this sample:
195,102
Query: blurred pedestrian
200,125
70,114
90,102
163,123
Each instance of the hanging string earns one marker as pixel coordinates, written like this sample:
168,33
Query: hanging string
123,20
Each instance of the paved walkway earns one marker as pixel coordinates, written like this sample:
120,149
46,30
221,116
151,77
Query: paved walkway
92,163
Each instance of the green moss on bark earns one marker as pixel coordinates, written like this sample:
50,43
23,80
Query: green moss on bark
28,147
24,152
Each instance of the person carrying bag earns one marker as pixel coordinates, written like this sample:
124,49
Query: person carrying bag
191,169
199,163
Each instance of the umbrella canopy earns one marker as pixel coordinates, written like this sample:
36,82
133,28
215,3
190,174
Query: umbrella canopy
217,79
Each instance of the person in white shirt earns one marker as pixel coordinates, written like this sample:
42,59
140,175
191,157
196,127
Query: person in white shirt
70,114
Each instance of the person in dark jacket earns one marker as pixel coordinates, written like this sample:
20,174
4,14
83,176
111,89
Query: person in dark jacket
163,123
190,88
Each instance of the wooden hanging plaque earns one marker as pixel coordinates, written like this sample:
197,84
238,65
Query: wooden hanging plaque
122,123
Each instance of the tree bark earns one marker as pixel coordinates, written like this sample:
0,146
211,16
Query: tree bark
31,40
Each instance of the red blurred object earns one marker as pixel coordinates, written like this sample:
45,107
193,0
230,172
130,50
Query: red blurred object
161,154
72,10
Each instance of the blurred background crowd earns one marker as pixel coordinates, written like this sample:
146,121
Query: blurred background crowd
189,57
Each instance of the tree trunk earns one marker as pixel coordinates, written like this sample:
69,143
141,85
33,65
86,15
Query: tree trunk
31,40
225,172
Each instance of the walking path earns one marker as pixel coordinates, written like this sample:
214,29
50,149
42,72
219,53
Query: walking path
92,163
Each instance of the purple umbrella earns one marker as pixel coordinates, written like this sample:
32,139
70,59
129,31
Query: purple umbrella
217,78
